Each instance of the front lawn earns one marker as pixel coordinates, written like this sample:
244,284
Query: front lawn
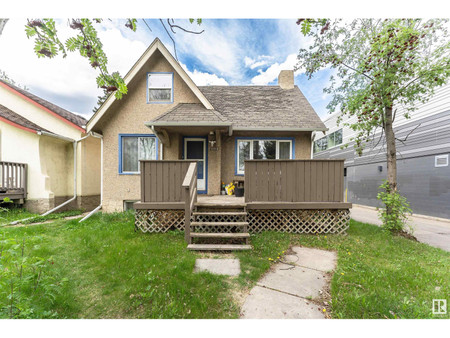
101,268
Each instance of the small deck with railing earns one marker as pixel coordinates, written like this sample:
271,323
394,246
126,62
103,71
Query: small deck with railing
13,180
300,196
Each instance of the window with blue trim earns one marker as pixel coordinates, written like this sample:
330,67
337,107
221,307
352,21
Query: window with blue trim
160,87
134,148
264,149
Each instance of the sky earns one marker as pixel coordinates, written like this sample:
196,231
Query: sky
229,52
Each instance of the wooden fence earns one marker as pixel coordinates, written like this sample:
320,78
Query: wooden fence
294,181
161,181
13,180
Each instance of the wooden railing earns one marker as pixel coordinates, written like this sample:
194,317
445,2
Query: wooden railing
294,181
13,177
190,198
161,181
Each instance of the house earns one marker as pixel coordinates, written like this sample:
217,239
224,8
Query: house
42,156
165,116
168,140
423,148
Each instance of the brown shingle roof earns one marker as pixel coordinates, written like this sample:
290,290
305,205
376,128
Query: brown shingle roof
191,113
71,117
263,107
18,119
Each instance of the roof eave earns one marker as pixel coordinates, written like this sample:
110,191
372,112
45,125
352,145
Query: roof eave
277,129
187,124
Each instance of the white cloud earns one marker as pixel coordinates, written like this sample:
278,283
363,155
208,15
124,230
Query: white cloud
204,79
260,61
271,73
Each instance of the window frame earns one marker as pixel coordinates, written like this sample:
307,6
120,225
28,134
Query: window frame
121,136
326,139
148,89
291,140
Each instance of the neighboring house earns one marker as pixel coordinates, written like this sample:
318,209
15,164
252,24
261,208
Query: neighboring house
37,153
422,159
166,116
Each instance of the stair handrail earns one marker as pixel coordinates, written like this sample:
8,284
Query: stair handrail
190,198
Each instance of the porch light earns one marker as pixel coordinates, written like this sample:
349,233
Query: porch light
212,140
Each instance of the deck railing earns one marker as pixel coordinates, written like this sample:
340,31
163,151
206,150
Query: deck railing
13,178
294,181
161,181
190,198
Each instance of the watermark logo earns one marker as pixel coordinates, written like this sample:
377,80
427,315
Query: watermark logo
439,306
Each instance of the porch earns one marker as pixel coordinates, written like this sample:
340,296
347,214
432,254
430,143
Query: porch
13,181
300,196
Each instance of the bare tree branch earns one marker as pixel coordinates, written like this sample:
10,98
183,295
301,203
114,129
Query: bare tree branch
406,138
172,26
171,38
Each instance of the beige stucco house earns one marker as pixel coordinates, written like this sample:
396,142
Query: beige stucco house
39,144
165,116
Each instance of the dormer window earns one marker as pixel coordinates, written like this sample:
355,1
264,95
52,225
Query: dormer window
160,88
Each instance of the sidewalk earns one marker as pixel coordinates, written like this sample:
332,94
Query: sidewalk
292,290
427,230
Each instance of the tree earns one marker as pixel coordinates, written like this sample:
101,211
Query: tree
379,65
87,43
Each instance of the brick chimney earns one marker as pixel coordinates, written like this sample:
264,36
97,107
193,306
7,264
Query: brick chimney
286,79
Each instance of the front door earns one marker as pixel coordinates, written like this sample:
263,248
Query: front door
195,149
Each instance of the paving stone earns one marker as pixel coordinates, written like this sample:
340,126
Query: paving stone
313,258
302,282
281,306
230,267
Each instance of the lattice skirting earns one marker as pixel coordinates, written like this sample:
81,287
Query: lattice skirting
296,221
158,220
300,221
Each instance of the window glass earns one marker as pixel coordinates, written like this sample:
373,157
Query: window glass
264,150
129,154
284,151
137,148
338,137
160,87
244,153
330,139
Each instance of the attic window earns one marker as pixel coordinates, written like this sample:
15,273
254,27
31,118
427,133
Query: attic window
160,88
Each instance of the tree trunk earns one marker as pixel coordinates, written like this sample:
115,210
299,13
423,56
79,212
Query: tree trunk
391,151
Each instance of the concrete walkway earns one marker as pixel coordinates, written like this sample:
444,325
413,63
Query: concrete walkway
287,291
433,231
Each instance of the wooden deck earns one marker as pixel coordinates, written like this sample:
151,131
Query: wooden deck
13,180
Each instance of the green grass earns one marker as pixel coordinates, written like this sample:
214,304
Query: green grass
114,272
14,214
52,216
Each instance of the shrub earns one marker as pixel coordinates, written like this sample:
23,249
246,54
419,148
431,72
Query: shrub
395,213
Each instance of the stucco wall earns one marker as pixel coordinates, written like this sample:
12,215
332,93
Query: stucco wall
128,115
302,149
50,161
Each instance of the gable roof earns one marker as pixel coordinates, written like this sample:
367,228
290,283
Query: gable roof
155,45
16,120
264,107
75,120
190,114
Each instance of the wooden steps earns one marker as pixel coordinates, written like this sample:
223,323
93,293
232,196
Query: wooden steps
220,234
219,247
219,228
223,213
216,224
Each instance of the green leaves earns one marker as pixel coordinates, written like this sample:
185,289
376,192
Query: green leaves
395,213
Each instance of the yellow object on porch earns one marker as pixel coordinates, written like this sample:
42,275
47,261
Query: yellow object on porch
230,188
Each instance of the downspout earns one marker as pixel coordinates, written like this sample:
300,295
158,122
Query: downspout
75,144
101,177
